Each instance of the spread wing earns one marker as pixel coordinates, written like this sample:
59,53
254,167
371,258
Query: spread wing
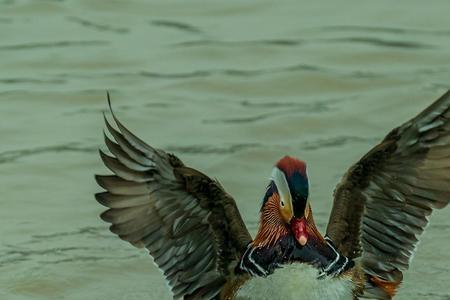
188,223
382,204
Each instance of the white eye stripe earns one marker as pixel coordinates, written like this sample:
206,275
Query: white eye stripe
282,185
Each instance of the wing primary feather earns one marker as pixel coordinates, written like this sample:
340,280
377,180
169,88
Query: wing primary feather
119,186
125,158
123,171
383,202
134,153
177,213
131,138
121,201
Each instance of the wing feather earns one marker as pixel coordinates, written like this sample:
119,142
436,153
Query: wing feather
188,223
382,205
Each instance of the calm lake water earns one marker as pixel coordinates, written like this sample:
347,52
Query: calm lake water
228,86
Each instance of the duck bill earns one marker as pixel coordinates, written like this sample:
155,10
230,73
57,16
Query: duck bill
300,230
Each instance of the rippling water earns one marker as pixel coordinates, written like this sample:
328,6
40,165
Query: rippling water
229,86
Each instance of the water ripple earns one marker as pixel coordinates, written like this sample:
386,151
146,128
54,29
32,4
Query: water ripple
208,149
439,296
295,108
311,145
336,142
383,42
13,155
268,42
36,249
312,106
250,73
299,42
395,30
58,255
17,254
87,231
88,258
99,111
177,25
230,72
192,74
57,44
248,119
96,26
31,80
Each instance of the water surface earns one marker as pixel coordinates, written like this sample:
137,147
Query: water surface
228,86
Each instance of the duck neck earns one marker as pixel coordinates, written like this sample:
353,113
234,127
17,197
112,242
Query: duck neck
323,255
271,225
320,252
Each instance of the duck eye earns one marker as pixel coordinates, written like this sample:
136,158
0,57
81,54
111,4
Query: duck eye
282,203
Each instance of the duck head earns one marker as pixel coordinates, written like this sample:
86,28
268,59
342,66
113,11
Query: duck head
287,232
285,209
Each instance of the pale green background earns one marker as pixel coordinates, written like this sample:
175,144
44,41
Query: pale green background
230,86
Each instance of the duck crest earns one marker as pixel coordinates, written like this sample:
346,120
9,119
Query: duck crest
289,165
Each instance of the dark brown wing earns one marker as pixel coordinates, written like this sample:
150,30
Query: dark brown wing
383,202
188,223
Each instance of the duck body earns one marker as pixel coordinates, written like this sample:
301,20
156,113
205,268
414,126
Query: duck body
297,281
287,269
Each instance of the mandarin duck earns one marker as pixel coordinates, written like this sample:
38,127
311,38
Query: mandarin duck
193,229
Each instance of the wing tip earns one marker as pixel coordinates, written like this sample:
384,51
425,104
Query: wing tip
105,158
108,98
100,198
107,161
105,119
100,179
105,216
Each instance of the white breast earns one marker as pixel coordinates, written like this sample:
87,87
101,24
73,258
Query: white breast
295,282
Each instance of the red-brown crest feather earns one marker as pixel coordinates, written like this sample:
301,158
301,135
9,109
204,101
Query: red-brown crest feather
289,164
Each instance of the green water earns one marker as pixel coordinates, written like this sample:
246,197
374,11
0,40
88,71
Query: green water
228,86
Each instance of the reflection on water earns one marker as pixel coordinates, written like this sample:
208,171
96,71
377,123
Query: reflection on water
229,87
